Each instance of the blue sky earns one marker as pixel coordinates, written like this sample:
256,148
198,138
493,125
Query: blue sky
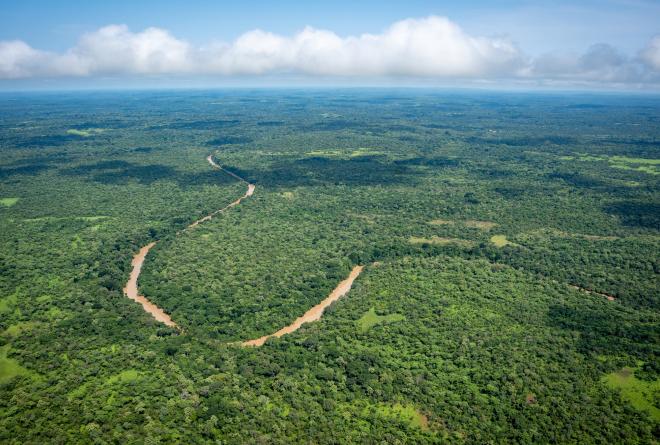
527,42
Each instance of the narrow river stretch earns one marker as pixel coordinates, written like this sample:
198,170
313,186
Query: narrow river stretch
315,312
131,289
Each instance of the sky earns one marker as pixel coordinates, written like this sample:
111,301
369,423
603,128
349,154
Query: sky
605,44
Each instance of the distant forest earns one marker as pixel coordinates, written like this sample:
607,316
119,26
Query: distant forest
510,244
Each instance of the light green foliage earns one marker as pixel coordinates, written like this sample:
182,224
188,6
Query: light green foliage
644,165
9,367
18,329
128,376
501,241
641,394
371,319
8,202
8,303
495,346
87,132
397,413
441,241
403,413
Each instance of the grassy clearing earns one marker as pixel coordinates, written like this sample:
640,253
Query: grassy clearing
407,413
18,329
550,232
650,169
628,160
471,223
7,304
639,393
10,368
441,222
371,319
128,376
326,153
345,153
438,240
482,225
87,132
8,202
644,165
365,152
501,241
63,218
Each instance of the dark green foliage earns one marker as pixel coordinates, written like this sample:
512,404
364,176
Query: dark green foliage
466,342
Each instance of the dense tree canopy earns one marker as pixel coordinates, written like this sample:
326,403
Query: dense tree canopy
493,228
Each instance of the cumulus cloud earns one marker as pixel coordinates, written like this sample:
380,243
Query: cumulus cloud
599,63
432,47
651,54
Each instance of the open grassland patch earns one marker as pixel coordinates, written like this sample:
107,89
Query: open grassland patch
346,153
371,319
439,240
128,376
125,377
87,132
7,304
471,223
64,218
8,202
482,225
501,241
405,413
645,165
20,328
399,413
441,222
10,368
365,152
642,395
555,233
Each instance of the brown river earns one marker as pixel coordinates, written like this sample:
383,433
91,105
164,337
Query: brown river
313,314
131,289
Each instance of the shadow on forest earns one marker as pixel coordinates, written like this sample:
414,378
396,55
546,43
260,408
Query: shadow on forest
363,170
600,331
119,172
31,170
56,140
213,124
637,214
358,126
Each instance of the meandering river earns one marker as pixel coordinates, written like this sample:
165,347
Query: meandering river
131,290
315,312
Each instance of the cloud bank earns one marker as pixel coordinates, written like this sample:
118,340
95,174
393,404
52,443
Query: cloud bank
432,47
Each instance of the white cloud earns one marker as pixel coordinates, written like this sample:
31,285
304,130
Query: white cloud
432,47
651,54
114,49
600,63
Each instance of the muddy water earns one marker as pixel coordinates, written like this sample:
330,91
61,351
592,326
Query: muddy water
131,289
250,191
315,312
